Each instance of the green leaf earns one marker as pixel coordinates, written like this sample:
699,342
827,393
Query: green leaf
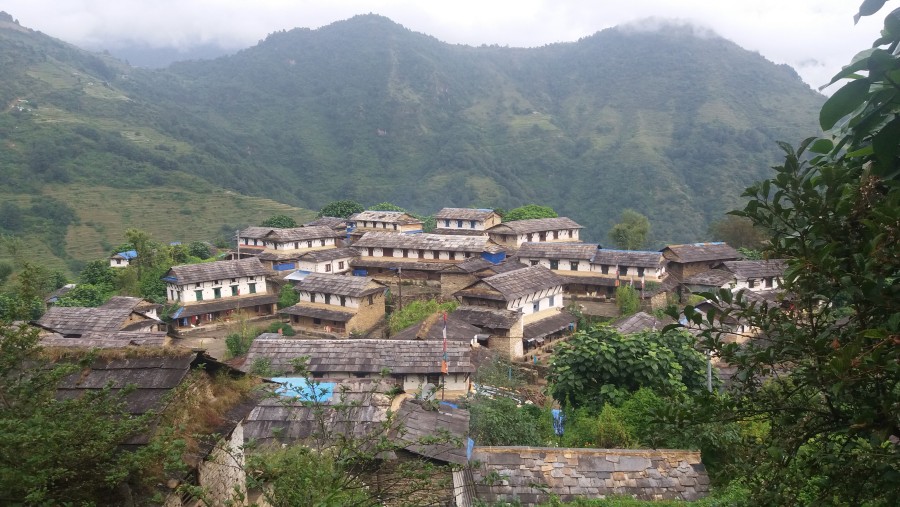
868,8
843,102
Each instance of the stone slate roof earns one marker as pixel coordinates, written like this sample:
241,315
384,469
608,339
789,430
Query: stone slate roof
463,214
458,232
540,329
107,340
330,254
375,262
357,407
108,318
515,284
488,318
363,356
534,225
470,265
745,270
378,239
530,475
700,252
432,328
420,424
291,234
599,281
638,322
352,286
230,303
217,270
397,217
317,312
636,258
711,278
550,250
333,222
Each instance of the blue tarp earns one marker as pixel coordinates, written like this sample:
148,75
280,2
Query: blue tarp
558,419
470,446
130,254
449,404
177,312
360,272
495,258
304,389
284,267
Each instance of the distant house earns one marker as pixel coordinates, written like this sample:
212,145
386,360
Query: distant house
332,261
122,259
280,249
413,363
215,290
572,262
396,222
419,256
529,300
513,234
755,275
687,260
469,271
465,221
120,313
337,304
339,225
54,296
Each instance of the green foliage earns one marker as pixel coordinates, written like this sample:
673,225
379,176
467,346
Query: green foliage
600,365
417,311
86,295
279,221
199,250
98,272
631,232
341,209
387,206
78,460
287,296
501,373
285,328
238,344
628,300
833,406
6,269
528,212
500,421
738,232
606,430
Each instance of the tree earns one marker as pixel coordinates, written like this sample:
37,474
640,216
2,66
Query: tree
738,232
628,301
631,232
500,421
341,209
528,212
199,250
600,365
288,296
826,380
86,295
98,272
279,222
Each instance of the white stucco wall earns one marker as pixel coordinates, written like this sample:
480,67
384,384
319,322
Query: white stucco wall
187,293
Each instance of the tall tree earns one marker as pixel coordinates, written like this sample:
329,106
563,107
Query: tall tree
826,380
631,232
341,209
738,232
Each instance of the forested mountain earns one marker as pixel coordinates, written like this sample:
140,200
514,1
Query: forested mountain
669,122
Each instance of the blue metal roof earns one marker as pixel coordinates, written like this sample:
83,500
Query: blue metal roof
304,389
130,254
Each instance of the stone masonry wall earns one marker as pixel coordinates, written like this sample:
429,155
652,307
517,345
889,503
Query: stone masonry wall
531,474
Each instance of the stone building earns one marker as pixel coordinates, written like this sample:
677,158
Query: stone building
395,222
465,221
119,314
280,249
512,234
687,260
337,304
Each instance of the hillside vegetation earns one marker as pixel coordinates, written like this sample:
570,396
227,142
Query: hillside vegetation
668,123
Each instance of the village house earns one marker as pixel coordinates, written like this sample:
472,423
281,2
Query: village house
108,340
122,259
418,256
513,234
120,313
396,222
690,259
281,249
572,262
342,305
332,261
434,326
529,300
755,275
412,363
465,221
339,225
212,291
459,276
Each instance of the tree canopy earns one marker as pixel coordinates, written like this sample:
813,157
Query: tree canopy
529,211
279,221
341,209
631,232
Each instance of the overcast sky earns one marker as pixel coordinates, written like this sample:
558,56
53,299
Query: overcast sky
816,37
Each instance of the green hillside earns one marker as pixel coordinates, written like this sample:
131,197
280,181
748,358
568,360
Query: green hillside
668,123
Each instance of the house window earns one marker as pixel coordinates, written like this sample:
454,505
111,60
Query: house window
542,236
604,269
534,263
198,285
199,295
312,297
371,252
321,242
471,224
296,245
640,271
340,264
452,255
555,234
751,283
459,223
623,270
327,268
395,227
573,265
552,301
343,301
327,299
255,242
769,282
530,237
252,288
405,253
387,252
421,254
446,223
371,299
217,293
234,280
309,244
554,264
536,306
246,241
217,282
317,321
234,290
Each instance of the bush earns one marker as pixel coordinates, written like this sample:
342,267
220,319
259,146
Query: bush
286,329
417,311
